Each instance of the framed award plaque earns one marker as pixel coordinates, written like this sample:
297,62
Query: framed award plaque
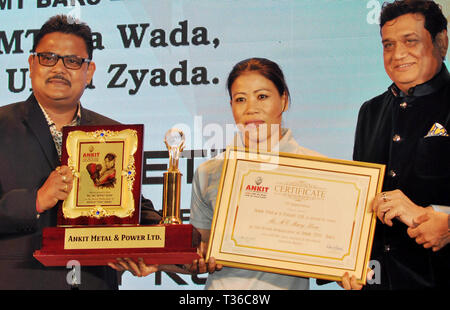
106,163
99,221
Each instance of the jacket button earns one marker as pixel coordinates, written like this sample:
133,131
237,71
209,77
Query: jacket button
392,173
387,248
403,105
396,138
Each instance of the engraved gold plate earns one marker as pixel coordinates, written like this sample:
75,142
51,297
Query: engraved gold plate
114,237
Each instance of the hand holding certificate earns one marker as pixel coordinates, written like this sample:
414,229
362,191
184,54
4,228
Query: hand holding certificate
297,215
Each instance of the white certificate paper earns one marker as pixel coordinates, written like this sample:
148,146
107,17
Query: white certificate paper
297,215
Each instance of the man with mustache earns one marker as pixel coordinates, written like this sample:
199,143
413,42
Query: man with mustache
31,178
405,128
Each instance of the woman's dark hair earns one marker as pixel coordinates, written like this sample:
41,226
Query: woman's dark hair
110,156
267,68
435,20
69,25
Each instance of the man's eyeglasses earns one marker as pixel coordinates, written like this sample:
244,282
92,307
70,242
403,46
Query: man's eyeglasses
70,62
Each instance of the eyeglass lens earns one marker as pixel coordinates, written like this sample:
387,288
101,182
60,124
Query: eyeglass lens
50,59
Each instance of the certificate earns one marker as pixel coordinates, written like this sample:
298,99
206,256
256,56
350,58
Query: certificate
297,215
106,164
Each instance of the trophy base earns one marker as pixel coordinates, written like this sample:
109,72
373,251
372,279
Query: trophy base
96,246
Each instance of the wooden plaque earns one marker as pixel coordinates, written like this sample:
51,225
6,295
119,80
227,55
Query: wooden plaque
106,162
95,246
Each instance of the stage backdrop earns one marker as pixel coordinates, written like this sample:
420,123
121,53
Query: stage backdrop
165,63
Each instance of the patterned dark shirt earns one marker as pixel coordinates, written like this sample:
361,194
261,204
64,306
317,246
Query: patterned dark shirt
56,134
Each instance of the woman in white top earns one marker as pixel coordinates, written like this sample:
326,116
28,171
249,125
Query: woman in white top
258,96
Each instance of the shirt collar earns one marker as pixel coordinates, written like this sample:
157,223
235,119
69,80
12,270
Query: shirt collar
75,121
433,85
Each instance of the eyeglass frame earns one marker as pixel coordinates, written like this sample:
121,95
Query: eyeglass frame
83,60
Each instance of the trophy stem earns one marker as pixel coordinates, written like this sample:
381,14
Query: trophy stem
171,198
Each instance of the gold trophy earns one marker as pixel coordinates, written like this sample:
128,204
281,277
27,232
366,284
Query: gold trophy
174,140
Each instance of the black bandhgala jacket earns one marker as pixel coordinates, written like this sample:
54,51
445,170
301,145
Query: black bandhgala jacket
392,129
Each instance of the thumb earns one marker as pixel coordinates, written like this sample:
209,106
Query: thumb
420,219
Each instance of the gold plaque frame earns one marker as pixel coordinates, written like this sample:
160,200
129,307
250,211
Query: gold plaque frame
297,215
106,165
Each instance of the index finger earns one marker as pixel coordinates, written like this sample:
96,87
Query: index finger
346,282
211,265
413,232
373,203
354,284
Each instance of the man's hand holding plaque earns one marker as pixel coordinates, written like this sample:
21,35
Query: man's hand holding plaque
57,187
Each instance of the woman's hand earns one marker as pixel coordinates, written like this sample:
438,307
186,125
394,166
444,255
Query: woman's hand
138,269
202,266
351,283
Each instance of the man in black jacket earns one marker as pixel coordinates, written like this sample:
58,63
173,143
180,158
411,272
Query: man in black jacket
31,178
405,129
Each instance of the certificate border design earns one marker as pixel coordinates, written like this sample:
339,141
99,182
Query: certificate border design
301,269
